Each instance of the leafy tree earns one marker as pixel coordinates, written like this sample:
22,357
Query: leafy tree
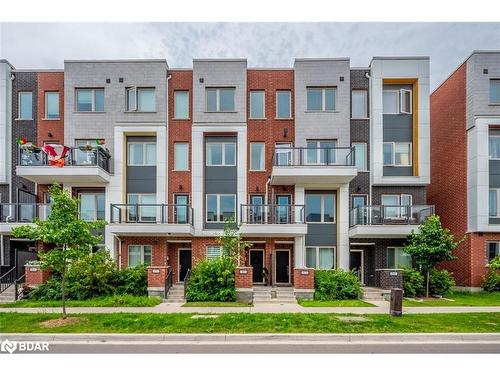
232,242
431,245
70,237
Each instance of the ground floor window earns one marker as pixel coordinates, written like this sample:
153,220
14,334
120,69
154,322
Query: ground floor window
214,251
322,258
139,254
397,258
492,250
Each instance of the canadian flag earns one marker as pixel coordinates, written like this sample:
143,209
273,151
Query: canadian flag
56,154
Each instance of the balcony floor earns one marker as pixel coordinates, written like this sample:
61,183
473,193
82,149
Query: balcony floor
154,229
275,230
42,174
381,231
313,174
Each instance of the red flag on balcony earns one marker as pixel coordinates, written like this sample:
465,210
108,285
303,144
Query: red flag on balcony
56,154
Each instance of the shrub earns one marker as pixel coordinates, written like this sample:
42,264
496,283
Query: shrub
491,282
413,282
212,280
335,285
133,281
440,282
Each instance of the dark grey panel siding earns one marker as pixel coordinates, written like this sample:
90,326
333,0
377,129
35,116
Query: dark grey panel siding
494,173
494,220
418,193
398,171
398,128
141,179
321,235
4,193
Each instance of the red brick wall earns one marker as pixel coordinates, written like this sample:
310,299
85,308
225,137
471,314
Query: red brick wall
303,280
50,81
243,277
35,275
157,275
479,259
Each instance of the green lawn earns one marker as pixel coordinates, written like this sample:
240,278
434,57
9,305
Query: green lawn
459,299
252,323
110,301
216,304
339,303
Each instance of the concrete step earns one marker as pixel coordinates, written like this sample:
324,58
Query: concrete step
174,300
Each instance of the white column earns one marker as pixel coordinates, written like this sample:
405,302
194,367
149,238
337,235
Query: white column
299,252
299,200
343,228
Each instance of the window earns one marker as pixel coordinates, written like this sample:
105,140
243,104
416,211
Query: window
492,250
92,206
397,258
360,155
221,207
181,208
493,206
181,104
359,104
214,251
181,156
51,105
397,154
220,99
139,254
89,100
283,154
321,152
322,258
320,208
494,91
397,101
146,209
283,104
321,98
140,99
221,154
141,153
494,146
257,106
257,156
25,106
359,200
396,206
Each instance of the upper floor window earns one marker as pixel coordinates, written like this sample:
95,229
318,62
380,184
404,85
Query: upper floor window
320,257
283,104
92,206
181,104
397,258
321,98
257,106
181,156
221,154
396,206
360,155
494,146
214,251
142,207
25,106
397,101
139,254
51,105
220,99
359,99
493,206
221,207
257,156
397,154
320,208
141,99
321,152
90,100
283,153
495,91
141,153
492,250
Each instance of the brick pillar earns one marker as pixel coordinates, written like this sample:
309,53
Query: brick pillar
156,280
35,275
303,283
243,277
388,279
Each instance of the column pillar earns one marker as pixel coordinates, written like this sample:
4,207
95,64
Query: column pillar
343,228
299,251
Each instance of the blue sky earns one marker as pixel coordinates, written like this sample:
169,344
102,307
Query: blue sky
46,45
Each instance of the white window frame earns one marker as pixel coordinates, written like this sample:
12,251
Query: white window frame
263,154
393,164
223,164
94,194
187,95
397,92
139,212
142,248
93,90
218,213
263,105
213,256
365,101
289,104
46,94
175,156
319,150
489,91
323,98
401,212
283,148
144,153
316,248
497,191
322,208
217,99
365,145
401,99
487,250
489,151
397,250
137,107
20,102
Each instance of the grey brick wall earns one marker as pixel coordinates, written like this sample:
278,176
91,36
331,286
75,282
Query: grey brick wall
419,193
4,193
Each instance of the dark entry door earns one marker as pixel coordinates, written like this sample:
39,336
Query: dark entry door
23,255
282,266
356,263
257,262
184,263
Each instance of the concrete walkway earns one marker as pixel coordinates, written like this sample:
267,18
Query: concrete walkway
382,307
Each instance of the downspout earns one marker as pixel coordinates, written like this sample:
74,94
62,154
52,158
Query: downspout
369,77
119,252
2,256
169,76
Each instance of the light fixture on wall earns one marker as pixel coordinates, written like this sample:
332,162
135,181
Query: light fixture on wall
257,189
50,135
285,132
180,187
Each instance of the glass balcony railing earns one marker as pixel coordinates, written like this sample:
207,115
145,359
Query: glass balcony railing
152,213
23,212
271,214
390,215
308,156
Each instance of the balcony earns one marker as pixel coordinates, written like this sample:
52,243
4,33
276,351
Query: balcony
16,214
306,165
272,220
83,165
387,221
151,219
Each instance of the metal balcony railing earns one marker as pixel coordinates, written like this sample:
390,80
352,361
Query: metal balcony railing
390,215
271,214
152,213
23,212
308,156
76,156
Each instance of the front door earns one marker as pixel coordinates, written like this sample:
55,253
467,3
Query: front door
181,208
356,263
257,262
282,271
184,263
283,209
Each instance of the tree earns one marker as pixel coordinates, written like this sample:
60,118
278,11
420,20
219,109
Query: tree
232,243
69,237
431,245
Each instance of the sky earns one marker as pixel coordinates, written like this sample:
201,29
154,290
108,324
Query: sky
47,45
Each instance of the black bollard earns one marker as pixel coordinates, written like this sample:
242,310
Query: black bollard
396,302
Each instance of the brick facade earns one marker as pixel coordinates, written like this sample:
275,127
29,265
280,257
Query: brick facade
50,82
35,275
243,277
157,276
303,278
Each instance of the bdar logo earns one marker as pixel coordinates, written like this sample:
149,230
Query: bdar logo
8,346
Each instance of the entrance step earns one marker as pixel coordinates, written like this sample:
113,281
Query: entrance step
175,294
273,295
8,295
374,294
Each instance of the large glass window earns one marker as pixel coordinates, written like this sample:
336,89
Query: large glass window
397,101
283,154
181,156
146,209
321,98
257,156
360,156
220,99
181,104
492,250
283,104
139,254
320,208
257,106
51,105
493,199
396,205
89,100
321,152
397,258
494,146
181,208
141,153
92,206
220,154
397,154
221,207
141,99
495,91
25,106
359,104
320,257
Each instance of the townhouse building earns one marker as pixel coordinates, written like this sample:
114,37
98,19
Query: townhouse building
465,149
323,165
